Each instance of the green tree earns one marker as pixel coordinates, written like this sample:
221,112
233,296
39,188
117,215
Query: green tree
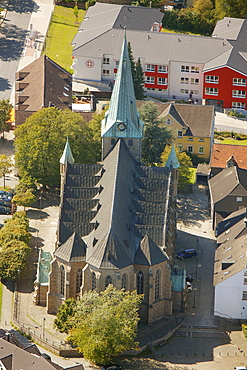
155,137
5,166
231,8
5,114
15,228
184,174
64,315
13,259
137,75
40,142
104,324
24,199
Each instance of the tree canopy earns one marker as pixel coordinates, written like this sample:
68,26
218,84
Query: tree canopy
184,174
231,8
137,75
5,166
40,142
103,324
5,111
155,137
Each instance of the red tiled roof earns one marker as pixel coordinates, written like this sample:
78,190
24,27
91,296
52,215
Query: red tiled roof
221,153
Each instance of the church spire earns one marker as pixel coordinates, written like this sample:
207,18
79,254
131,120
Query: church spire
67,154
172,160
122,119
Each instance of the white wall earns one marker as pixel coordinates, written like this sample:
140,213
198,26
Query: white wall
228,297
82,71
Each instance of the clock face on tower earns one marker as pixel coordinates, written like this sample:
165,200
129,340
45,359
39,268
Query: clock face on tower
121,126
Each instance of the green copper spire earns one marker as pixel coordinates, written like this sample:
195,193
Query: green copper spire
172,159
122,118
67,154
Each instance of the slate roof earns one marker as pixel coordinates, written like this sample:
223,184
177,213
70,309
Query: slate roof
230,220
221,153
73,250
149,253
112,16
225,183
128,205
231,255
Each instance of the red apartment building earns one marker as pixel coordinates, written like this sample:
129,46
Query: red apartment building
212,70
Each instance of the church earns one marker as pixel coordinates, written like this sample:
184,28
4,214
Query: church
117,221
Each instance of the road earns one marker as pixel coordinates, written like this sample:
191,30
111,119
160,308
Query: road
225,123
13,33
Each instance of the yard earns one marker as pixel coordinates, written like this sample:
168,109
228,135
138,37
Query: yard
63,28
225,137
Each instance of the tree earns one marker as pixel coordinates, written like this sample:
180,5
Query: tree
5,166
15,228
24,199
104,324
40,142
13,259
155,137
184,174
137,75
5,114
231,8
64,315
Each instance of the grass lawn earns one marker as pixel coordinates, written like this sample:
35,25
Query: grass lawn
63,28
233,142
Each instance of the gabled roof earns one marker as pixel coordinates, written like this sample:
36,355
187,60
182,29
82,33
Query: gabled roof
222,152
224,183
112,16
149,253
73,250
122,109
172,111
230,220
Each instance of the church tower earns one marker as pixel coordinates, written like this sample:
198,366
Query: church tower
122,119
67,157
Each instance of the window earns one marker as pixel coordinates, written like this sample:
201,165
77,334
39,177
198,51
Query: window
124,282
162,69
162,81
78,281
190,139
194,81
238,93
184,91
130,142
239,199
190,149
194,69
106,72
180,133
184,80
62,279
201,140
140,282
108,281
106,60
201,149
180,146
116,63
93,281
244,295
211,91
212,79
150,67
239,82
113,141
238,105
157,286
185,68
149,80
168,122
245,281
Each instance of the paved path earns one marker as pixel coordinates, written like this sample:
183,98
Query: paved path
225,123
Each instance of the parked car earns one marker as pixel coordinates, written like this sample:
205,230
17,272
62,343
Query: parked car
186,253
111,367
240,368
5,210
5,203
6,195
189,286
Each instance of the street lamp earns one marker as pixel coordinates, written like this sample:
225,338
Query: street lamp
44,327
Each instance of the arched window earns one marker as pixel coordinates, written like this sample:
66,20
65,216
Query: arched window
62,279
124,282
140,282
78,280
130,142
108,281
93,281
157,286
